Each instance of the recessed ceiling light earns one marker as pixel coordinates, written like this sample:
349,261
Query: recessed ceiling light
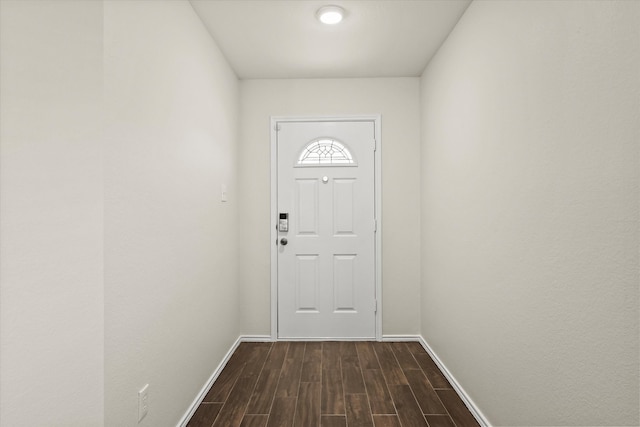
330,15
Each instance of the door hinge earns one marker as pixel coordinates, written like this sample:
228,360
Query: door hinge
375,225
276,127
375,145
375,305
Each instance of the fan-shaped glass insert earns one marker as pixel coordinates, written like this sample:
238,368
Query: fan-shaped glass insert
325,152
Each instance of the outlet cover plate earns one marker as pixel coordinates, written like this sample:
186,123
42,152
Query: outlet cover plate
143,402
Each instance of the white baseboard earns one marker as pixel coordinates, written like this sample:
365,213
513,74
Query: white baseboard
320,339
469,403
207,386
403,338
255,338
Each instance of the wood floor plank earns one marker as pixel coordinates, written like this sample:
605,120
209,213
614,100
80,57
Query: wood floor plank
308,406
234,408
291,371
205,415
457,409
425,394
240,353
312,363
352,375
282,412
430,369
296,350
368,358
289,378
333,421
358,412
332,402
277,355
254,421
379,397
390,368
407,408
415,347
264,392
256,358
224,383
386,421
404,356
348,348
330,354
439,421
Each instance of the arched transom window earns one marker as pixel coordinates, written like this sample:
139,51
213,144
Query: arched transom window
325,152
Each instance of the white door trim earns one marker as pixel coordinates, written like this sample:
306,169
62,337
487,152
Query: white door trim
375,118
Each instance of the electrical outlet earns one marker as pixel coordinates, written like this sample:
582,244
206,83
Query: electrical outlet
143,402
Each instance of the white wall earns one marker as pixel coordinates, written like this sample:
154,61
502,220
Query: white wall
530,172
171,296
398,102
51,285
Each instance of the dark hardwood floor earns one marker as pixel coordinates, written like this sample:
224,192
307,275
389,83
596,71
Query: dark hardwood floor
331,384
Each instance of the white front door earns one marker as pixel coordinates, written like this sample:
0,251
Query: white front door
326,256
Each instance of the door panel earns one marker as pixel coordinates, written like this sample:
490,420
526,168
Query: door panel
343,283
343,196
307,281
307,206
326,271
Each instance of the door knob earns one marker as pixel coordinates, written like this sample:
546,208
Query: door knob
284,241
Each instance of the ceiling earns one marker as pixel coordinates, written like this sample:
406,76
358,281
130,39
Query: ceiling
283,39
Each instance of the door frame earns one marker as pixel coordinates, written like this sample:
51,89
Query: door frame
376,119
